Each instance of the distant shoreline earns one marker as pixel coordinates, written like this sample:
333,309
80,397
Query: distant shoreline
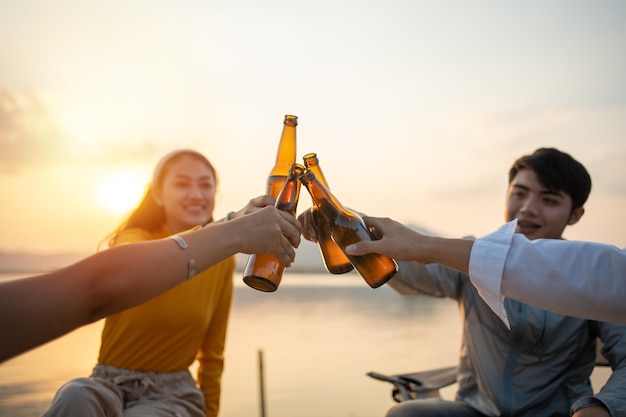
15,263
308,260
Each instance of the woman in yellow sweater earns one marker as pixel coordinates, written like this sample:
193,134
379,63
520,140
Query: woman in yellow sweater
146,351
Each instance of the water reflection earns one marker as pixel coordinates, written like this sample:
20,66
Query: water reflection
319,341
319,335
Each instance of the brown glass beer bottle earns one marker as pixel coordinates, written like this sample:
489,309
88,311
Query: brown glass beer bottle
285,156
264,272
335,261
347,227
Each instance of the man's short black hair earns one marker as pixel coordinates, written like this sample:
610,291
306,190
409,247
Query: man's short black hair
557,171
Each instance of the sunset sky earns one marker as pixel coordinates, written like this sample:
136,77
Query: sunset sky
416,109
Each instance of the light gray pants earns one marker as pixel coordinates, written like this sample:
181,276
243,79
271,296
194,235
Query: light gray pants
114,392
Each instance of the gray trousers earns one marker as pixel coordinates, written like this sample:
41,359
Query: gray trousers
114,392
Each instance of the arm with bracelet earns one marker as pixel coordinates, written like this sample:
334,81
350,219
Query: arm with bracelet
38,309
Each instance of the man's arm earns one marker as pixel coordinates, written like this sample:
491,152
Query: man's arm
581,279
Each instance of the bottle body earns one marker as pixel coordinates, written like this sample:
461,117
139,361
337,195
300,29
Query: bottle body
285,156
335,261
264,271
348,227
375,269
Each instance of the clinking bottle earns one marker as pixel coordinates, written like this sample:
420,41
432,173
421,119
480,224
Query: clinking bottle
285,156
264,272
335,261
347,227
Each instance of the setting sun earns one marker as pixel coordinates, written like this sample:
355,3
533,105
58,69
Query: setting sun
120,192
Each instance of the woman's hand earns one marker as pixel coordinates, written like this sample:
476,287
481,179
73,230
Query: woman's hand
268,230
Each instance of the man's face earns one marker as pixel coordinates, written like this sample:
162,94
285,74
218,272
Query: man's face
541,212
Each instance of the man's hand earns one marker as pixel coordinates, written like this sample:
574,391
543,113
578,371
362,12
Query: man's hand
594,411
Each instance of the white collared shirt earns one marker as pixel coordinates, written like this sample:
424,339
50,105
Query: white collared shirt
581,279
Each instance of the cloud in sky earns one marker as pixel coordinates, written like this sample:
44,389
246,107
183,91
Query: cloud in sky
31,136
28,136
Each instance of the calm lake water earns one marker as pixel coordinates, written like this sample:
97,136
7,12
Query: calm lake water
319,334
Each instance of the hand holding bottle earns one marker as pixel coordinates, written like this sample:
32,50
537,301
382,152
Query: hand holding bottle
267,230
394,239
403,243
346,228
334,259
328,223
264,271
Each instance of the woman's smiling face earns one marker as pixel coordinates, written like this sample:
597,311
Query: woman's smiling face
187,193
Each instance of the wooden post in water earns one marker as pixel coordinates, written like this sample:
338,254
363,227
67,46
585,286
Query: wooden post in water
261,385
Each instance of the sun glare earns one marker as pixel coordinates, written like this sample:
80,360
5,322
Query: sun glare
120,193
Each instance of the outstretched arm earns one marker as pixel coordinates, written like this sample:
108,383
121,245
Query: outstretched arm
38,309
405,244
581,279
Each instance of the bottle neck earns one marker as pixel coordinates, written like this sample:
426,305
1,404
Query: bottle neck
312,164
289,195
286,154
319,193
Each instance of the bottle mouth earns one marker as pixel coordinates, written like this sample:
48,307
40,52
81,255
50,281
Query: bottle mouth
291,120
307,176
298,168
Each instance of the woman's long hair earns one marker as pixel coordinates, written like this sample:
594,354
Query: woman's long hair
148,215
